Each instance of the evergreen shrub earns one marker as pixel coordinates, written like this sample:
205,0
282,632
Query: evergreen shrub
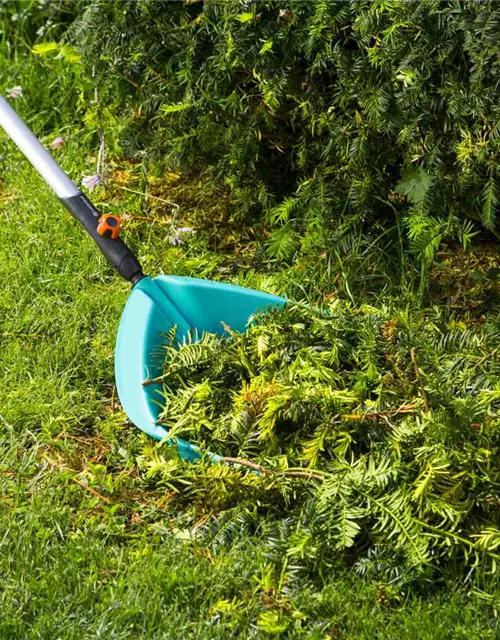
320,117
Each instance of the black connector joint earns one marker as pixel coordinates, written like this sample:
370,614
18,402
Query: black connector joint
115,250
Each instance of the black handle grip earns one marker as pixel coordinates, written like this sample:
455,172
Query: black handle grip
116,251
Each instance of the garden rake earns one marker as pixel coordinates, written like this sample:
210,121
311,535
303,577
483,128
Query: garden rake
154,306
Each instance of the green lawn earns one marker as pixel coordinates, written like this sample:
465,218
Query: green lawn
89,548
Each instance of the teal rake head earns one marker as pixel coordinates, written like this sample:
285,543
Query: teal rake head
153,308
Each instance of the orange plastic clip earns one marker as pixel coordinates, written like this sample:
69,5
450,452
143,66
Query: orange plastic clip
108,226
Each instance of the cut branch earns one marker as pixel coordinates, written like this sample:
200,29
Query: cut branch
419,379
311,475
410,407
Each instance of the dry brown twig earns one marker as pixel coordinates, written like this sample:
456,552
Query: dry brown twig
59,467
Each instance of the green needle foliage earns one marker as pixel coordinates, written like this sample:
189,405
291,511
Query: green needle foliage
376,431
